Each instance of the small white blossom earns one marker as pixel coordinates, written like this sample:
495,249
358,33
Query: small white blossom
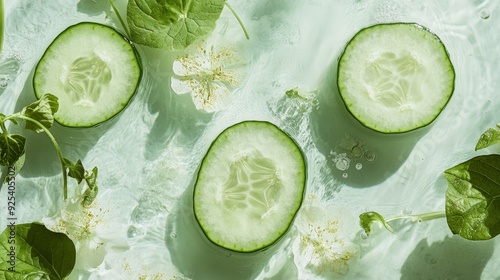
93,229
323,247
210,74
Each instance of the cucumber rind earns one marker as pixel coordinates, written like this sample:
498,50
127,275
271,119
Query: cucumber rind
292,214
369,123
103,118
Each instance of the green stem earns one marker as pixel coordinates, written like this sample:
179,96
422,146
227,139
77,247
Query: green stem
119,17
238,19
5,132
419,217
56,146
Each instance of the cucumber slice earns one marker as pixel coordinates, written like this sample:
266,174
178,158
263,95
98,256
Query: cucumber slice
249,187
395,77
92,69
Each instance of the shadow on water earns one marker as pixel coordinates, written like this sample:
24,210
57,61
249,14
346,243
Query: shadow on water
360,157
451,258
174,114
196,257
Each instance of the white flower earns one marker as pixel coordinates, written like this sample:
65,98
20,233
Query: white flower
92,229
210,74
322,247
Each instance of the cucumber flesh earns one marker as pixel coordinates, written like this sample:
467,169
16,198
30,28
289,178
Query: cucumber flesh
92,69
250,186
395,77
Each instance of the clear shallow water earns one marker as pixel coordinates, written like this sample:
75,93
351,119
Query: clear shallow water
148,156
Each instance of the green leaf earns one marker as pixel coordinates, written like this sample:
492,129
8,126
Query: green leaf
91,192
75,170
171,24
473,198
11,148
34,250
42,110
368,218
489,138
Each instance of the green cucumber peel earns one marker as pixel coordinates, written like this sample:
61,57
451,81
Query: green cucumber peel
39,117
472,205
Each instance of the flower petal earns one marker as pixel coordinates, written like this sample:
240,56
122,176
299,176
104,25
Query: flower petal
181,86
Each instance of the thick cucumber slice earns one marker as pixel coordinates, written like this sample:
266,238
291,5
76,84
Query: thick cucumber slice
250,186
395,77
92,69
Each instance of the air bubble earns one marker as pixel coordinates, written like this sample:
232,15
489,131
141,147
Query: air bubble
173,235
484,14
345,175
342,164
370,156
359,166
357,151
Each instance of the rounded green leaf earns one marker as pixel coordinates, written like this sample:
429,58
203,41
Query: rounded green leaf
171,25
473,198
32,249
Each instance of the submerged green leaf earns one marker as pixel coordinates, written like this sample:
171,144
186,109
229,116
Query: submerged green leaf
11,148
169,24
78,172
42,110
34,250
489,138
473,198
75,170
368,218
91,192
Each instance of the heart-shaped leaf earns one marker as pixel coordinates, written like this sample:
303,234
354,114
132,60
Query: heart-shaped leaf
473,198
11,148
31,251
171,24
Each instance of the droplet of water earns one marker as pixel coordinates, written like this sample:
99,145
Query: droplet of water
359,166
9,68
484,14
345,175
342,164
370,156
433,261
357,151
